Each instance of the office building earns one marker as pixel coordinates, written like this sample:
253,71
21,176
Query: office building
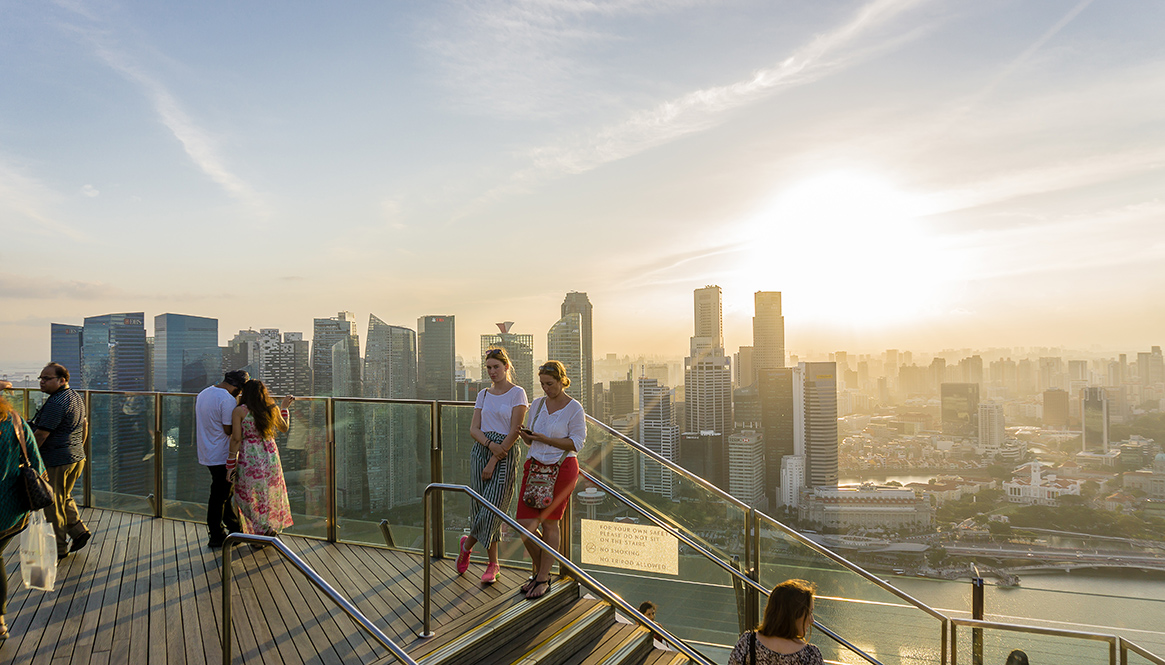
564,343
1056,408
520,349
768,331
792,480
113,352
390,361
577,303
622,398
65,348
336,371
746,467
960,409
745,369
819,397
113,357
436,357
1094,419
187,357
707,370
782,421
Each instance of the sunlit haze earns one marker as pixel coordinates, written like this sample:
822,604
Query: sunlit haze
909,174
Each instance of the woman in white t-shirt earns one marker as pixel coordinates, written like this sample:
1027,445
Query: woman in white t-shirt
557,430
496,418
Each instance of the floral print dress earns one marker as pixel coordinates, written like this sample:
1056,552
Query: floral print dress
260,490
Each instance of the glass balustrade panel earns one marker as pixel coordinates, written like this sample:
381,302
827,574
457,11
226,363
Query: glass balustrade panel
303,453
185,481
121,442
711,519
998,644
382,469
640,561
456,445
862,611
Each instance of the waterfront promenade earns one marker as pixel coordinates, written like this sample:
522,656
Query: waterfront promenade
148,590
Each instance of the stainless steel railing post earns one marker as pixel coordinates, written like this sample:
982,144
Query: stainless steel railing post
159,501
436,475
427,555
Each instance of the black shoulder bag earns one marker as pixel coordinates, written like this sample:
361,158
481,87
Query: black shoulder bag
38,492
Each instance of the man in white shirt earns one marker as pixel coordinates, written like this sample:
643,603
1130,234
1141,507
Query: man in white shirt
213,427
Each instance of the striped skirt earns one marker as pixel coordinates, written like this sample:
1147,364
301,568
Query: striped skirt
498,490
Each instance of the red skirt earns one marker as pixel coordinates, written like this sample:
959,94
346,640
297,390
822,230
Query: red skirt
563,486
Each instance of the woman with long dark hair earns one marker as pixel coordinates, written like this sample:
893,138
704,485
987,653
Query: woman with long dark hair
15,434
260,489
782,638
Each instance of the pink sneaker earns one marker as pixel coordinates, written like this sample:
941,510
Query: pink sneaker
491,573
463,556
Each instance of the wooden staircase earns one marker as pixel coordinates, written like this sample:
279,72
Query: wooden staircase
561,628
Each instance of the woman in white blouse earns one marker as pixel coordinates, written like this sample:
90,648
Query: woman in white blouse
496,418
556,433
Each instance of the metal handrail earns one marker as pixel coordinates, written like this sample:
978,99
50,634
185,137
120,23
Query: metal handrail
312,577
746,580
820,549
1126,646
1112,640
563,561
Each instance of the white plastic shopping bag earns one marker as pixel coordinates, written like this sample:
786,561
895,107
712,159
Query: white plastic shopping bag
38,553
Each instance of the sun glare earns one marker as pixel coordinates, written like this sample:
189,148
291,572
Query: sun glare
848,249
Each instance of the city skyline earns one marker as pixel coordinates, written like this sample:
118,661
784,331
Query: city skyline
909,174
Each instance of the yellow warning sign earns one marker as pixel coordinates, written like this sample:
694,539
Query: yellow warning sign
630,546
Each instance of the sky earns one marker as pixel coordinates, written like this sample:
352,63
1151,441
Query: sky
909,174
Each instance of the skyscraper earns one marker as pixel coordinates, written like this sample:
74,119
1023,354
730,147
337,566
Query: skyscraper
707,370
1094,419
564,343
327,333
390,361
577,302
1056,408
819,394
782,420
436,357
960,409
745,367
746,467
520,349
113,353
658,432
288,366
768,331
187,357
991,429
65,345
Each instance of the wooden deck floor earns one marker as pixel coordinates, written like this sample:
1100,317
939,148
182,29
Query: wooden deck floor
148,590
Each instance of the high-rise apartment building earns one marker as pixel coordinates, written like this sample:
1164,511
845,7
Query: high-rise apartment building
657,432
991,429
113,352
819,397
436,357
564,343
1151,367
768,331
520,349
327,334
578,303
187,357
390,361
960,408
1094,419
65,348
792,480
1052,374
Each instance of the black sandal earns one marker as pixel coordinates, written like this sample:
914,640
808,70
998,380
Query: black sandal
538,583
525,588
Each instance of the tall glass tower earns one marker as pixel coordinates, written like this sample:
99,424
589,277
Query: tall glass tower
113,352
187,357
327,333
578,303
390,361
564,343
66,349
436,357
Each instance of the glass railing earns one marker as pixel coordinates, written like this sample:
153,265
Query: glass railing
353,463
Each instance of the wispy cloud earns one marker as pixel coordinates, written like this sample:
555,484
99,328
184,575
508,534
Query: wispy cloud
701,109
21,287
26,199
199,144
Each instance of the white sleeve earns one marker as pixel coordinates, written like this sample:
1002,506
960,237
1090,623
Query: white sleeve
480,402
520,398
228,408
576,429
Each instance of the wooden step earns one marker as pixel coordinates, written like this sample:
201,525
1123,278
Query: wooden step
664,657
557,638
621,644
464,640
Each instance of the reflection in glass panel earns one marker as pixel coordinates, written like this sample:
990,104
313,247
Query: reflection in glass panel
185,482
303,453
456,444
382,469
122,451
